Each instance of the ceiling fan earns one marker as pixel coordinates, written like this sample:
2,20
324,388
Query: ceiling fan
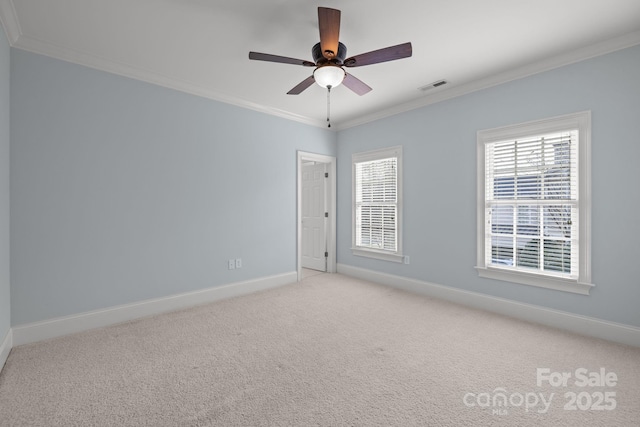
329,57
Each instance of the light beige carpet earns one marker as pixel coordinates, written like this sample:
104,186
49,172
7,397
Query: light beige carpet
329,351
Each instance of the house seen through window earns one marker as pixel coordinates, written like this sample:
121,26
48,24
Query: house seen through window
532,203
533,208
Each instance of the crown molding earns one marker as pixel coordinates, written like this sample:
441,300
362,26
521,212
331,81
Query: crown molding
11,25
9,20
34,45
602,48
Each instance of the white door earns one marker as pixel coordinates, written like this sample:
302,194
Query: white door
314,240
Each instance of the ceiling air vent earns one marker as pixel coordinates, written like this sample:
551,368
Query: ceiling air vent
433,85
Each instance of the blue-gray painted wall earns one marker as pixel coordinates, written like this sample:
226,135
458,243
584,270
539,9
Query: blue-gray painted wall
439,143
123,191
5,306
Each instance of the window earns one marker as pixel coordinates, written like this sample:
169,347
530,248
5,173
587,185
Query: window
534,203
377,207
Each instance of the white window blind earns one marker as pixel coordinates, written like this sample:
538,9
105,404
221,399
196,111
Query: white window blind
532,204
377,204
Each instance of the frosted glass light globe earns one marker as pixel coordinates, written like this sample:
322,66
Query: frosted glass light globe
329,76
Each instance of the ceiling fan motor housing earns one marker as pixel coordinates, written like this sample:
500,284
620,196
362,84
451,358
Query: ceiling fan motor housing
319,58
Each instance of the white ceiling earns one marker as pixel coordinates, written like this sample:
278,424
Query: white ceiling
202,46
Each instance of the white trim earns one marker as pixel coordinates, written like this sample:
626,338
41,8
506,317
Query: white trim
5,348
580,121
590,326
51,328
549,282
18,40
331,208
367,156
383,256
9,20
568,58
41,47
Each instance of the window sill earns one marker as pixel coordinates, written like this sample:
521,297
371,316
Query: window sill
384,256
549,282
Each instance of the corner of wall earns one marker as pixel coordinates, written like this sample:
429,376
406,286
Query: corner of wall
6,334
5,348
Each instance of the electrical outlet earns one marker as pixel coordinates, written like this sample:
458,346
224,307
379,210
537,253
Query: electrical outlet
406,259
232,264
238,262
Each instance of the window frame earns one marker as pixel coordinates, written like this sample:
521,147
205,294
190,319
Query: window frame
582,122
367,156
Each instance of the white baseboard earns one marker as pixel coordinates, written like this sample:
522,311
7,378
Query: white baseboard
5,348
590,326
51,328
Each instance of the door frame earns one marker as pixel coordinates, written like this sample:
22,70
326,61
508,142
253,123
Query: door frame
330,196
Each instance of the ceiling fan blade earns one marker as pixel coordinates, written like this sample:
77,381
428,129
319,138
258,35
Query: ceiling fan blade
302,86
390,53
329,23
355,84
282,59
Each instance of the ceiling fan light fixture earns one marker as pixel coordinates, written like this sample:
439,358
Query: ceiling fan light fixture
329,76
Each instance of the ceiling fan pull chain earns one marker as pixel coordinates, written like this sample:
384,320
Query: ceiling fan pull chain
328,105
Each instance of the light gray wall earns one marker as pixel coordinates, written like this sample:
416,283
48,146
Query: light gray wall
123,191
5,299
440,181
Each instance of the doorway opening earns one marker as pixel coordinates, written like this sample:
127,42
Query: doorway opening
316,219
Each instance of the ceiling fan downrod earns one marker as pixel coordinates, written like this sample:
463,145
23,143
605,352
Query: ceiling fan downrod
328,105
